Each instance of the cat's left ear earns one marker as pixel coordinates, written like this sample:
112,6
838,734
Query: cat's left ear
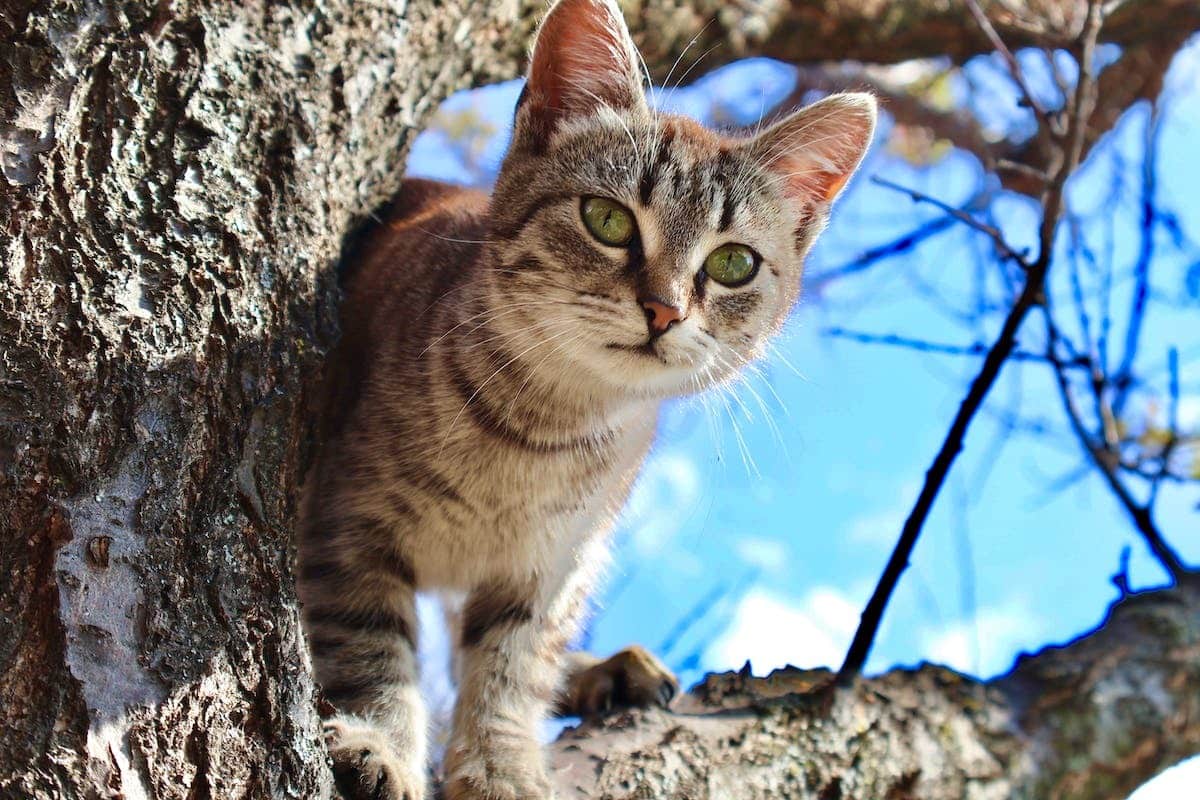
815,150
583,59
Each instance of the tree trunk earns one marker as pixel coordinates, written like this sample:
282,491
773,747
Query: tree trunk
178,179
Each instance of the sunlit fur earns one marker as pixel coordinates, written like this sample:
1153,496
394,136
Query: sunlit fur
497,386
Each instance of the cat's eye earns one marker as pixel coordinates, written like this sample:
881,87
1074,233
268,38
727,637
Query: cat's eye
731,264
609,221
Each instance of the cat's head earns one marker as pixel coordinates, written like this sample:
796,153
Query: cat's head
639,249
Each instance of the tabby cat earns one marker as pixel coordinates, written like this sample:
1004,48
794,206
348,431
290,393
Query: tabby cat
497,386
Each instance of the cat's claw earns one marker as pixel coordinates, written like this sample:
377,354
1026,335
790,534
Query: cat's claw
365,767
633,677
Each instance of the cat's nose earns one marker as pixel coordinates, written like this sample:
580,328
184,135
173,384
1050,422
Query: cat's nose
660,315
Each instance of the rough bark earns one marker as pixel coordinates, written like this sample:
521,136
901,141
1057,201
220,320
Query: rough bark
1089,720
887,31
178,178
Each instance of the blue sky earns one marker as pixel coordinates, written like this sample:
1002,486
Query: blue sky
764,516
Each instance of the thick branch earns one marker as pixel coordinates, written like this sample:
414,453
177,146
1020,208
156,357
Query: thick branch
1088,720
873,30
676,33
1021,166
886,31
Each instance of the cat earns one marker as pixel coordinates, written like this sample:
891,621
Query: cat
496,390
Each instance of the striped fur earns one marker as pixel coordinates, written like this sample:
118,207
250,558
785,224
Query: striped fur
496,390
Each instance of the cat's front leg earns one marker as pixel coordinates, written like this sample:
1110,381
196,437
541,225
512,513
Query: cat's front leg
512,638
360,614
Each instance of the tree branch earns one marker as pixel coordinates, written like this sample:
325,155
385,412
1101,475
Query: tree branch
941,348
1107,462
1031,295
1005,251
1022,167
1014,67
1044,729
814,30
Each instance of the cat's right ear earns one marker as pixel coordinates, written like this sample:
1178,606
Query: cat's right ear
583,60
815,151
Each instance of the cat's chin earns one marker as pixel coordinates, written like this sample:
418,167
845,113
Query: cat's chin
650,370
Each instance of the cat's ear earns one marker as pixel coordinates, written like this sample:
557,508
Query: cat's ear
815,150
583,58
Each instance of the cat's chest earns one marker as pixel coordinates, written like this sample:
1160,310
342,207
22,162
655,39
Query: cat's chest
507,488
508,512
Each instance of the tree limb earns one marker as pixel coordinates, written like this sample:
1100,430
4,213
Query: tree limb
1031,295
1046,729
1022,167
875,31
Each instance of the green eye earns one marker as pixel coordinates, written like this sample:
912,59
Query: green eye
609,221
731,264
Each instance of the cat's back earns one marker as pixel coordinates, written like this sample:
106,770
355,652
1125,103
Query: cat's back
422,245
430,233
419,248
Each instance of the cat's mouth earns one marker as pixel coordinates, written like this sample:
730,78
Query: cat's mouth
645,348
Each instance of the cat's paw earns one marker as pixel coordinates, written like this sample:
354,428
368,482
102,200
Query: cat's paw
631,677
366,767
494,771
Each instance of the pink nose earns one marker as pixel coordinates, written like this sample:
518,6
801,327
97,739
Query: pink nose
660,316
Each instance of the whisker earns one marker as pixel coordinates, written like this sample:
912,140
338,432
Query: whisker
483,386
599,101
679,83
688,46
533,369
450,238
777,353
511,309
508,335
766,411
747,459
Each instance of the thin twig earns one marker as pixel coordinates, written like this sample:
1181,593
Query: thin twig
942,348
1107,463
1164,468
993,233
703,607
815,283
1014,66
1123,375
1036,174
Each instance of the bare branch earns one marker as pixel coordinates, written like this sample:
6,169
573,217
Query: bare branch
942,348
902,244
1104,460
1014,67
1164,469
1002,247
1032,294
1123,375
